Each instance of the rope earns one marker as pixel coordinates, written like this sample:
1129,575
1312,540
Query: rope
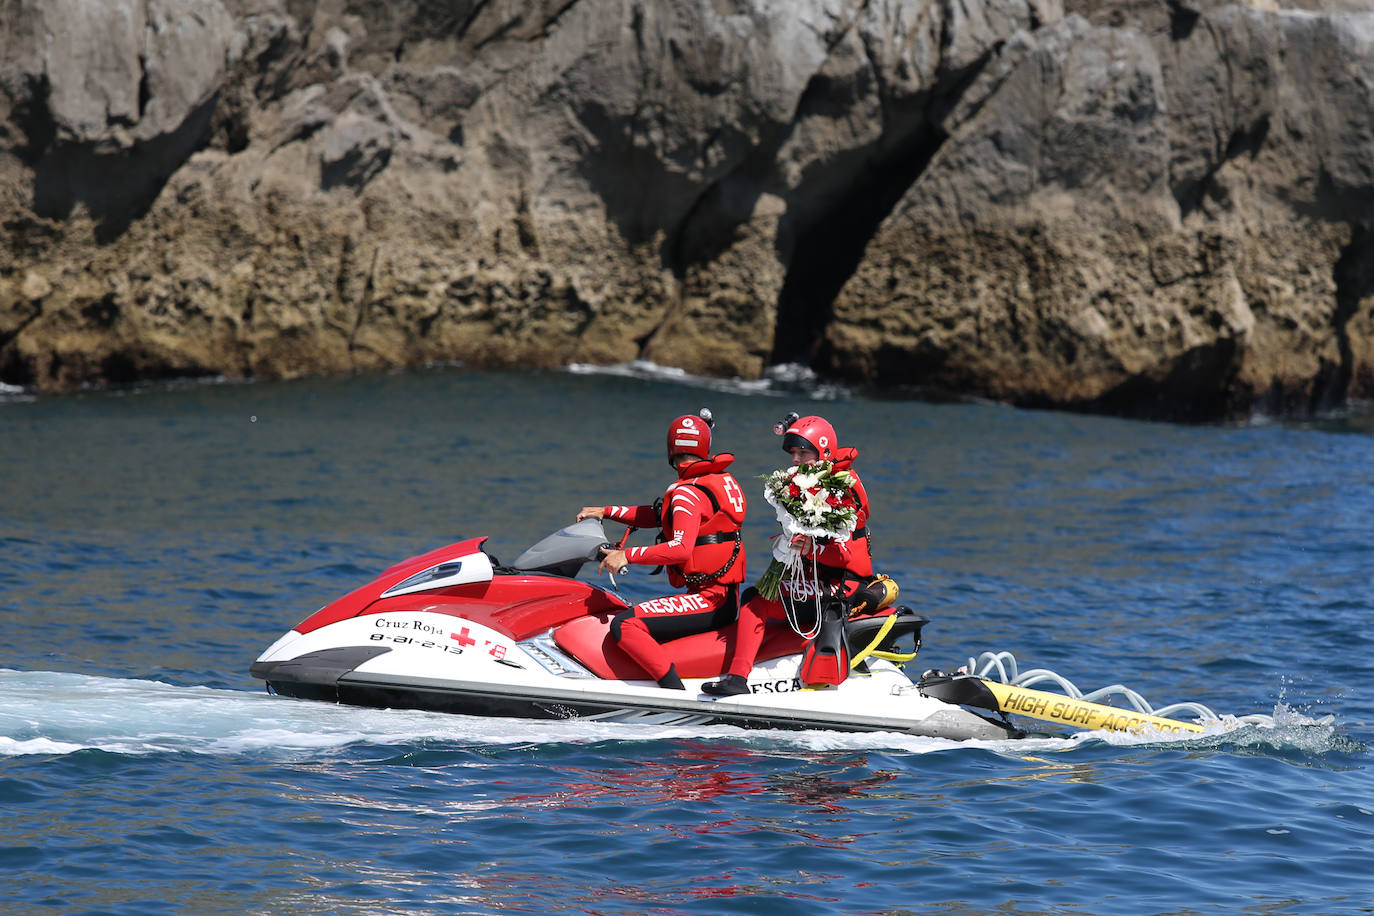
899,657
869,649
797,583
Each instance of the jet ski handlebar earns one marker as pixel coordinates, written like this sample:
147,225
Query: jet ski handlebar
565,551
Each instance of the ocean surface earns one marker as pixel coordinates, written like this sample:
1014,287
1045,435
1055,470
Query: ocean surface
156,540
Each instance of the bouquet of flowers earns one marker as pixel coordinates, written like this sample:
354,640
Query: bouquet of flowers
813,501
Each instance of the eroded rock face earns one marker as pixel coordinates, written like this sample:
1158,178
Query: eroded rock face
1141,221
1153,208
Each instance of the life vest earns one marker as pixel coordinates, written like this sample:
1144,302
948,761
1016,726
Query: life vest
718,555
850,560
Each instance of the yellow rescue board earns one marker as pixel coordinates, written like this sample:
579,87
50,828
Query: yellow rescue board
1054,707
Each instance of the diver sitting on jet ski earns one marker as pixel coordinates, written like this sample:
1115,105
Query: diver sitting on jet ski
700,544
842,567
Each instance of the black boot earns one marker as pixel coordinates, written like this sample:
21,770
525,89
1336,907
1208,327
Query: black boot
671,681
729,685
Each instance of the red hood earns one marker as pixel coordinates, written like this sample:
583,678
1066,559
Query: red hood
844,457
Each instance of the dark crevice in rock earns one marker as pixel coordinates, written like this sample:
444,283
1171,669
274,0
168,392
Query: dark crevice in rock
637,30
642,197
136,367
708,227
103,313
34,119
829,247
946,30
551,21
341,274
505,29
830,242
13,370
1248,141
1354,277
236,134
274,67
355,168
1199,387
145,94
28,239
1191,195
115,188
642,340
959,85
473,13
122,369
1182,20
432,19
525,231
346,266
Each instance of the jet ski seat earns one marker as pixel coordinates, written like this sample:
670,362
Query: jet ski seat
862,630
704,655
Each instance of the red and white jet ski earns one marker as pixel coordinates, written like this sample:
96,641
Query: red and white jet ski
454,631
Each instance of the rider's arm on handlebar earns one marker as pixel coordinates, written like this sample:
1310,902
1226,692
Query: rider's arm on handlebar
634,516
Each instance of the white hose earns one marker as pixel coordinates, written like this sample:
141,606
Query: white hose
1003,664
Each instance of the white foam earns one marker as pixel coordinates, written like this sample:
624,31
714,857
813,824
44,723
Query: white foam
59,713
54,713
12,748
51,712
15,394
790,380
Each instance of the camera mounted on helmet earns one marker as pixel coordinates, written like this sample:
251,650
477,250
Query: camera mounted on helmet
780,427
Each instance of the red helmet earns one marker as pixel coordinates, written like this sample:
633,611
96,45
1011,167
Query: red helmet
813,433
690,435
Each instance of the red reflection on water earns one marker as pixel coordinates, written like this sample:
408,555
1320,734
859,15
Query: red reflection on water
700,772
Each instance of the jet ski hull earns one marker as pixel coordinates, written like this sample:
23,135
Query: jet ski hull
451,632
520,684
476,698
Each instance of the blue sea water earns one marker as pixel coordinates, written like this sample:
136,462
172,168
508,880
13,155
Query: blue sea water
156,540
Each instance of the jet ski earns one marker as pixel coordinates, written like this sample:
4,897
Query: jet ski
454,630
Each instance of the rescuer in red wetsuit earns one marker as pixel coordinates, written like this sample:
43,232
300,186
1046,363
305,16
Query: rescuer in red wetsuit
701,547
842,567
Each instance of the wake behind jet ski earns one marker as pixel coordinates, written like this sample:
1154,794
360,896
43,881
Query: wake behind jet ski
455,631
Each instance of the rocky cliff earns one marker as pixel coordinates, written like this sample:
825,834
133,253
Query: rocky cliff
1149,207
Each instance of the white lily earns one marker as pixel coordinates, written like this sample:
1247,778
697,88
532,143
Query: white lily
815,502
